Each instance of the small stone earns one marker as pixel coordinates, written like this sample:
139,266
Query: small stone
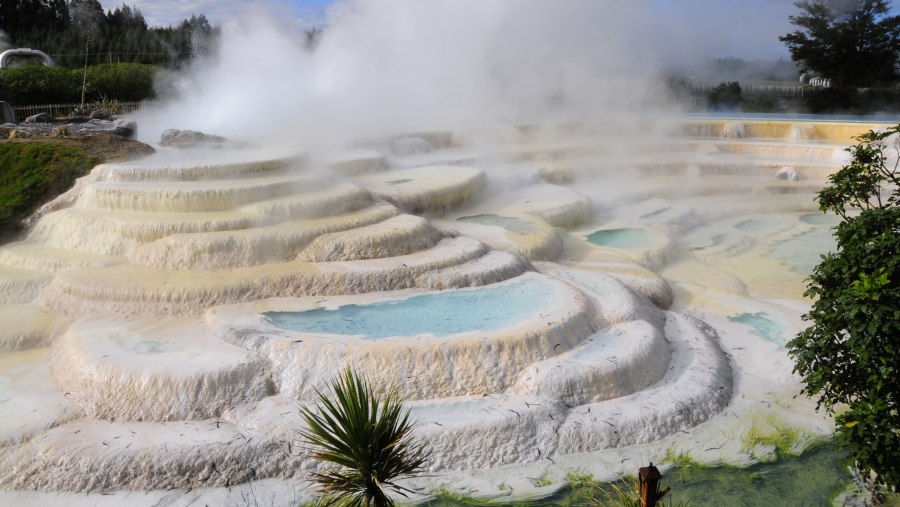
405,146
20,134
62,131
789,174
125,128
175,138
100,114
39,118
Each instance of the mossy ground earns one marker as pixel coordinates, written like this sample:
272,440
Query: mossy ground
31,173
34,171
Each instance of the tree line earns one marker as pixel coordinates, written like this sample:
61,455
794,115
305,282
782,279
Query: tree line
855,43
80,31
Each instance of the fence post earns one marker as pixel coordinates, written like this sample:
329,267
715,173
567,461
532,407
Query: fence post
648,481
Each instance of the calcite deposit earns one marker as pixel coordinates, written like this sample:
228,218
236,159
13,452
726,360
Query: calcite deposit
628,305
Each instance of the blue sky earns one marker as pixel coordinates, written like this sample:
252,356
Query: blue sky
718,27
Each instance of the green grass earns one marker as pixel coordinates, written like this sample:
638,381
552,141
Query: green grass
769,431
444,496
542,481
581,479
32,173
681,461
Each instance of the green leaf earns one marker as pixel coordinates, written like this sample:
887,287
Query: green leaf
849,354
368,439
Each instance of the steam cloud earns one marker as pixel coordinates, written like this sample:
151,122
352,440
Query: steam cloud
391,65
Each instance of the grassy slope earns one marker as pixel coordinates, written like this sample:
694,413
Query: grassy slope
32,173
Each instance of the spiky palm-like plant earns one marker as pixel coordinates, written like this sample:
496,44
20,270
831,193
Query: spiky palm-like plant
369,440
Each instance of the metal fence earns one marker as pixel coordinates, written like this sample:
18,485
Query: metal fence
756,89
57,110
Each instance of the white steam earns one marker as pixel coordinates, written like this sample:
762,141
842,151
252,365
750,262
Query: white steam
391,65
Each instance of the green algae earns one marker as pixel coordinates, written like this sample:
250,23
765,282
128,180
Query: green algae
811,479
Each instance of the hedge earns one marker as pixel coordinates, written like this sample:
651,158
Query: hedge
30,85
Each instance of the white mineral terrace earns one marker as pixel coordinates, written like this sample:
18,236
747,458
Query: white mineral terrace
551,301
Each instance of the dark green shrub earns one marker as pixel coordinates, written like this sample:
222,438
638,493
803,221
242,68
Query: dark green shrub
725,95
120,81
848,100
830,100
53,85
849,356
39,85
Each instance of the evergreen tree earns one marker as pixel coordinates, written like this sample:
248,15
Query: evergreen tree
853,42
62,28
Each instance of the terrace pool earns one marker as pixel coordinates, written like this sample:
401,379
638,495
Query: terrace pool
511,224
762,325
438,314
622,238
820,219
760,225
804,251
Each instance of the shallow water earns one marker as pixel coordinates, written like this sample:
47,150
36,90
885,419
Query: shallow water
762,325
804,251
438,314
509,223
621,238
820,219
714,240
812,479
760,225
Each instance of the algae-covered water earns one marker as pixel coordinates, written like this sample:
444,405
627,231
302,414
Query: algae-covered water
812,479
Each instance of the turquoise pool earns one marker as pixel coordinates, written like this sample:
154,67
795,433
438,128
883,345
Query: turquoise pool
820,219
439,314
622,238
762,325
